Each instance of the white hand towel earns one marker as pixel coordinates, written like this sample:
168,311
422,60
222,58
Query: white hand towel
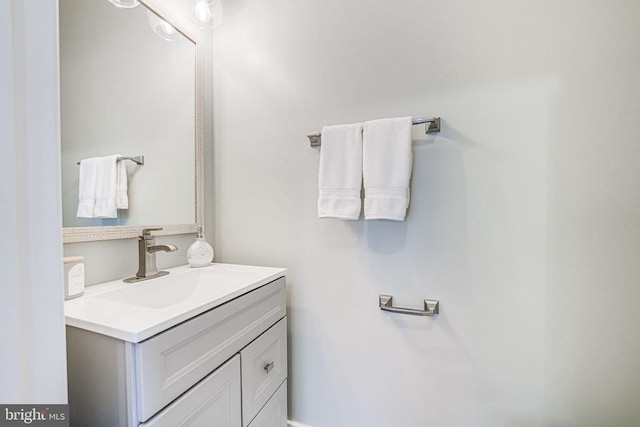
387,162
87,187
340,177
106,187
122,198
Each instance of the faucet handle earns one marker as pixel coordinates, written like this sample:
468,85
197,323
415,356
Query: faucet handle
147,231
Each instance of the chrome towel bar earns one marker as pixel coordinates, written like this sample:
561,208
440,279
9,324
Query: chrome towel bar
139,160
431,307
431,125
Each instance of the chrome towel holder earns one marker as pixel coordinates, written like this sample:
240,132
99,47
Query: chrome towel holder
431,125
138,160
431,307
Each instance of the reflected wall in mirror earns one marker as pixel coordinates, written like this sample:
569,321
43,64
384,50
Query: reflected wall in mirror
125,90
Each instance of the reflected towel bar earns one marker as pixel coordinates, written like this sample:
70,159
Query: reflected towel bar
431,125
139,160
431,307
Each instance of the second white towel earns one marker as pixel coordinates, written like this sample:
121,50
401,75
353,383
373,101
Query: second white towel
103,187
340,177
387,163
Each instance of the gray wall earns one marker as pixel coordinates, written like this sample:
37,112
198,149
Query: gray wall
524,212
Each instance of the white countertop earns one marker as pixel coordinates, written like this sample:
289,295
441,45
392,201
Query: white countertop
136,311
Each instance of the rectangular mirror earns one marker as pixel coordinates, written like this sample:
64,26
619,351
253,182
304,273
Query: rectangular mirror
129,85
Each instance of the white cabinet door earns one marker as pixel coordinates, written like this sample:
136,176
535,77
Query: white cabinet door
264,368
214,402
274,413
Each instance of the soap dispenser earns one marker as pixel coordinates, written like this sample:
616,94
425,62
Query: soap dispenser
200,253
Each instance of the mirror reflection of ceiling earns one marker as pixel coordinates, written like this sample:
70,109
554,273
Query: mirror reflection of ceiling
127,90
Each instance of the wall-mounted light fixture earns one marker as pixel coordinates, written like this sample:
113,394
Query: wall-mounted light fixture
204,13
128,4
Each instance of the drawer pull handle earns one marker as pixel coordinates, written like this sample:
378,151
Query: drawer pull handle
268,367
431,307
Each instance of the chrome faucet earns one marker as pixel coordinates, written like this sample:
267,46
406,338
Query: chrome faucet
147,256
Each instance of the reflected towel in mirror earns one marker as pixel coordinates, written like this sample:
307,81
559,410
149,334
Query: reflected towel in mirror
102,187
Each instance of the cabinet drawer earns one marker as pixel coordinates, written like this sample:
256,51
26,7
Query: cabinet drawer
170,363
264,368
274,413
213,402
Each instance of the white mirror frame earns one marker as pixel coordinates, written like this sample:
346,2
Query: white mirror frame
92,234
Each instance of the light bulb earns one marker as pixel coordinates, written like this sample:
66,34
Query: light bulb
166,28
205,14
162,28
128,4
202,12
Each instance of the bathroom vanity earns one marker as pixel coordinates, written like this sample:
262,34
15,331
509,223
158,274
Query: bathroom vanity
204,346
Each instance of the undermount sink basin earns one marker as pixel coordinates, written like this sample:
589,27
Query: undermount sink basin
175,288
136,311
